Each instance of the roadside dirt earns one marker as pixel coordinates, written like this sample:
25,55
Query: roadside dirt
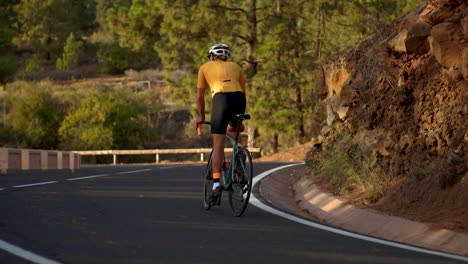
295,154
442,212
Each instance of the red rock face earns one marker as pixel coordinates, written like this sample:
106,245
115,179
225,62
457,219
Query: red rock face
409,94
464,26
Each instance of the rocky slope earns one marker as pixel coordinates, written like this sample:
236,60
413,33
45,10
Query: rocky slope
403,97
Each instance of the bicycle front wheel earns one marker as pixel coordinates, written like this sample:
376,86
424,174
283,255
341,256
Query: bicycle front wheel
241,186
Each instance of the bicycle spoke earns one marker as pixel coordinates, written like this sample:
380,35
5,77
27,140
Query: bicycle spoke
242,182
208,186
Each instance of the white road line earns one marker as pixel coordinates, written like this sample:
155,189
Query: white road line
28,255
254,201
87,177
135,171
172,167
34,184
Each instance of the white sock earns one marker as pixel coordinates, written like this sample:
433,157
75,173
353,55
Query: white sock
215,185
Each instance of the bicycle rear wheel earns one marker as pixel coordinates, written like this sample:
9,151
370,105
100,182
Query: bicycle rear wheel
208,186
241,187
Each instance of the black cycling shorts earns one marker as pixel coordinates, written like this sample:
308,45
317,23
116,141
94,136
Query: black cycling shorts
224,108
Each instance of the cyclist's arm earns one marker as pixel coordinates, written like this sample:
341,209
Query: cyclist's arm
201,85
201,103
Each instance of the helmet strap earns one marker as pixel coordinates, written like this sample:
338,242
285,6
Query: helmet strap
220,57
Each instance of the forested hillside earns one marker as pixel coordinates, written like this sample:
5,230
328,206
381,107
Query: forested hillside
280,44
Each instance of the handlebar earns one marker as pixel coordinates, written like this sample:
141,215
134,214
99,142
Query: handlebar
199,127
243,117
240,117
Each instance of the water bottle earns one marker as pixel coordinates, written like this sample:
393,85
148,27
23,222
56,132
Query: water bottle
226,165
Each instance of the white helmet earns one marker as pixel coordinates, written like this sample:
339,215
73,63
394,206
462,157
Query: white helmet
220,50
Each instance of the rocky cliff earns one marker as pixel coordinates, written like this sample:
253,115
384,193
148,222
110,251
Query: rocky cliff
402,95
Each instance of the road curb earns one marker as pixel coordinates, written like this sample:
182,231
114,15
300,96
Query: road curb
317,208
337,212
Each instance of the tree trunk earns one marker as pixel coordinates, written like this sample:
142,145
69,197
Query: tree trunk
321,28
251,137
4,105
251,42
297,92
251,70
250,39
274,143
300,110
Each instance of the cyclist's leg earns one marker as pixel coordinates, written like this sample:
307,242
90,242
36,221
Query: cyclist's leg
219,121
237,104
218,156
232,130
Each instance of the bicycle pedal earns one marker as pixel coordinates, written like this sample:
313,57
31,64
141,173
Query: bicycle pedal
215,201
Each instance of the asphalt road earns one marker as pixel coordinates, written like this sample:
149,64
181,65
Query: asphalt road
154,214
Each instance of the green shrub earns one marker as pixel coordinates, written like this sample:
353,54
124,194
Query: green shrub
7,68
345,165
32,65
113,58
7,59
113,120
36,116
78,116
71,53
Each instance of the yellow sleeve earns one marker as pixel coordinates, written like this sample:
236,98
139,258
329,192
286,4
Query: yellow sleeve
201,82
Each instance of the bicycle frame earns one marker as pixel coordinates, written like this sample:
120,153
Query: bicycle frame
235,147
232,167
236,179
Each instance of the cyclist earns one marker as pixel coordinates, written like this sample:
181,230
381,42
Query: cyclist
227,83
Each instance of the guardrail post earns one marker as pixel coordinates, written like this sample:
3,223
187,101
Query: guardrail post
115,159
44,159
157,157
71,161
4,160
78,162
25,159
202,157
59,160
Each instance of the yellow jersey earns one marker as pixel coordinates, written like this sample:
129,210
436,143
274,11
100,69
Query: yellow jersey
222,77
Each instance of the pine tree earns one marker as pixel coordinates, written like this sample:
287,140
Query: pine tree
284,56
137,25
7,63
45,25
71,53
7,59
188,29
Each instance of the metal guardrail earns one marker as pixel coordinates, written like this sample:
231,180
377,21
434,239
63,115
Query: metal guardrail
36,159
156,152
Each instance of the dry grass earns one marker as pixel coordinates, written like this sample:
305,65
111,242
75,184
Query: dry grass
343,163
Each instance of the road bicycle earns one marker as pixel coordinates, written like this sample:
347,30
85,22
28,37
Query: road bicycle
236,176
